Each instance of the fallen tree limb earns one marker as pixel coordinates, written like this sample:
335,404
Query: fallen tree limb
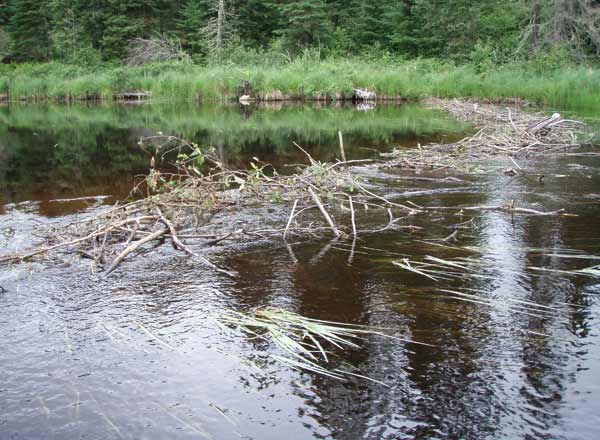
133,247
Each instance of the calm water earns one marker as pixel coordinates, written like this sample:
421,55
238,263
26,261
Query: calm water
77,359
49,152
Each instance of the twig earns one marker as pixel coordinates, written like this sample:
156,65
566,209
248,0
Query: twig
324,212
289,222
312,161
352,216
499,208
342,151
183,247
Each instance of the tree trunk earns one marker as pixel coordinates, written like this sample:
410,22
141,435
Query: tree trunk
220,23
535,25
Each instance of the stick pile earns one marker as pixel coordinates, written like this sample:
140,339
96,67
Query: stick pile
180,208
502,132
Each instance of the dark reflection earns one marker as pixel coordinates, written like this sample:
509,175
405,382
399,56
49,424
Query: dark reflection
53,152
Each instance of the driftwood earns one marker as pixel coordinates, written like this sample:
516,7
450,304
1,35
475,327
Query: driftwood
132,96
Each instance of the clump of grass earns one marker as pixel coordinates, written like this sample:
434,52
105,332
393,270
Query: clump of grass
304,341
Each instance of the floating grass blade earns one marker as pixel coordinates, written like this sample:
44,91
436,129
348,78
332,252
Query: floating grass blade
405,264
594,271
303,339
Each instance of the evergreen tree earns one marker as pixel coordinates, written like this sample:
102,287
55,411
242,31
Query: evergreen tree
340,12
305,23
257,21
431,28
6,12
126,19
7,9
67,34
92,15
369,27
402,27
191,21
29,28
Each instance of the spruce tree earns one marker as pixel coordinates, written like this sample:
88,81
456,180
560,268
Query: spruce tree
257,21
368,25
29,28
7,9
402,27
305,23
125,20
67,33
6,12
191,21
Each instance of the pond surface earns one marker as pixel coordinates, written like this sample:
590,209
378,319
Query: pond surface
139,356
53,151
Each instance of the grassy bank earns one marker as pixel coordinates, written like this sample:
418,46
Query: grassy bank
571,87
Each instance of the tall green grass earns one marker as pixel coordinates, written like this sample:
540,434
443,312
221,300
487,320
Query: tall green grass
575,87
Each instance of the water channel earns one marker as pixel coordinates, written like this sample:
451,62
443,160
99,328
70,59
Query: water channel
139,356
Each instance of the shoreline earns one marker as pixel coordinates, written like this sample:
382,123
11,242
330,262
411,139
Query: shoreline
576,87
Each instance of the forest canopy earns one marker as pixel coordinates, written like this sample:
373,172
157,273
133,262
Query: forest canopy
495,31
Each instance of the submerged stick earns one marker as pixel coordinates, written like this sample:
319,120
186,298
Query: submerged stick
183,247
352,216
94,234
178,244
508,208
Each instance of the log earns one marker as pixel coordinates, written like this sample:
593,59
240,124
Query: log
132,96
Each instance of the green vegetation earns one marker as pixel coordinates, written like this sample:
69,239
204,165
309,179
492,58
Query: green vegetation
226,125
541,50
58,29
541,81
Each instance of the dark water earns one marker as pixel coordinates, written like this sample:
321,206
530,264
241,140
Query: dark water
56,152
138,356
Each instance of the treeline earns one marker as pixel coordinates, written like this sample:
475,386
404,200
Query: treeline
465,30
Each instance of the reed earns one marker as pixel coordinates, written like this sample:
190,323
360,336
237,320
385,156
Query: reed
575,87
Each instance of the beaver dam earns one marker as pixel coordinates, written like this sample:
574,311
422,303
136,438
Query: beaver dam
447,289
183,205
